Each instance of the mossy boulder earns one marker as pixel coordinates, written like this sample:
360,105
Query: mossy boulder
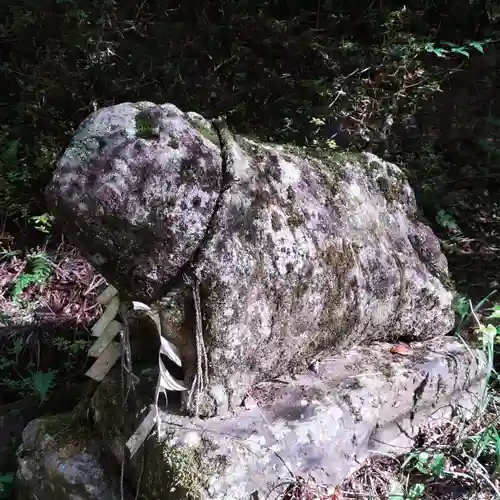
59,460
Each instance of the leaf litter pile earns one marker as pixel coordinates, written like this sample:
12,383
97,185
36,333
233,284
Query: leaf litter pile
47,305
43,287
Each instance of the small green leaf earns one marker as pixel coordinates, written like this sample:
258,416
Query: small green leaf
43,382
497,448
440,52
422,461
445,220
489,332
495,313
461,306
437,465
478,46
460,50
397,492
416,491
423,457
435,50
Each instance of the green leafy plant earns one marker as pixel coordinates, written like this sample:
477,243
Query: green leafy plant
427,463
488,335
43,223
72,346
7,254
30,379
423,462
6,485
453,48
461,307
486,443
39,382
12,175
446,220
73,349
414,492
24,171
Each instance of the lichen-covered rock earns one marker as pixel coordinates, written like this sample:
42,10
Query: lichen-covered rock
322,424
292,254
56,463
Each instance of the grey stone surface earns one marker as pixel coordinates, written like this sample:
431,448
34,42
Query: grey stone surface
321,424
58,464
293,254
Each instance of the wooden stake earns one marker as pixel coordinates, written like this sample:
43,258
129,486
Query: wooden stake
104,362
109,314
110,332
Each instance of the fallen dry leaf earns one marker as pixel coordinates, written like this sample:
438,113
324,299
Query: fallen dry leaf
335,496
401,349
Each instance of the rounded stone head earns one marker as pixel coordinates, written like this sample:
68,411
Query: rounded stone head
135,191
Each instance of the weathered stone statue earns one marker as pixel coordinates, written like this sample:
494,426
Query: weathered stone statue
290,255
283,276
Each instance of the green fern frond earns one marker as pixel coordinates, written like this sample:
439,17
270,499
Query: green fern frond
38,271
9,154
7,254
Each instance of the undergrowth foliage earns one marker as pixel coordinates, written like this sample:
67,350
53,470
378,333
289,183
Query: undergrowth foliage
43,313
372,74
415,82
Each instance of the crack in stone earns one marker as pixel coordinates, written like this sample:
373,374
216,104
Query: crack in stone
417,395
189,267
226,182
